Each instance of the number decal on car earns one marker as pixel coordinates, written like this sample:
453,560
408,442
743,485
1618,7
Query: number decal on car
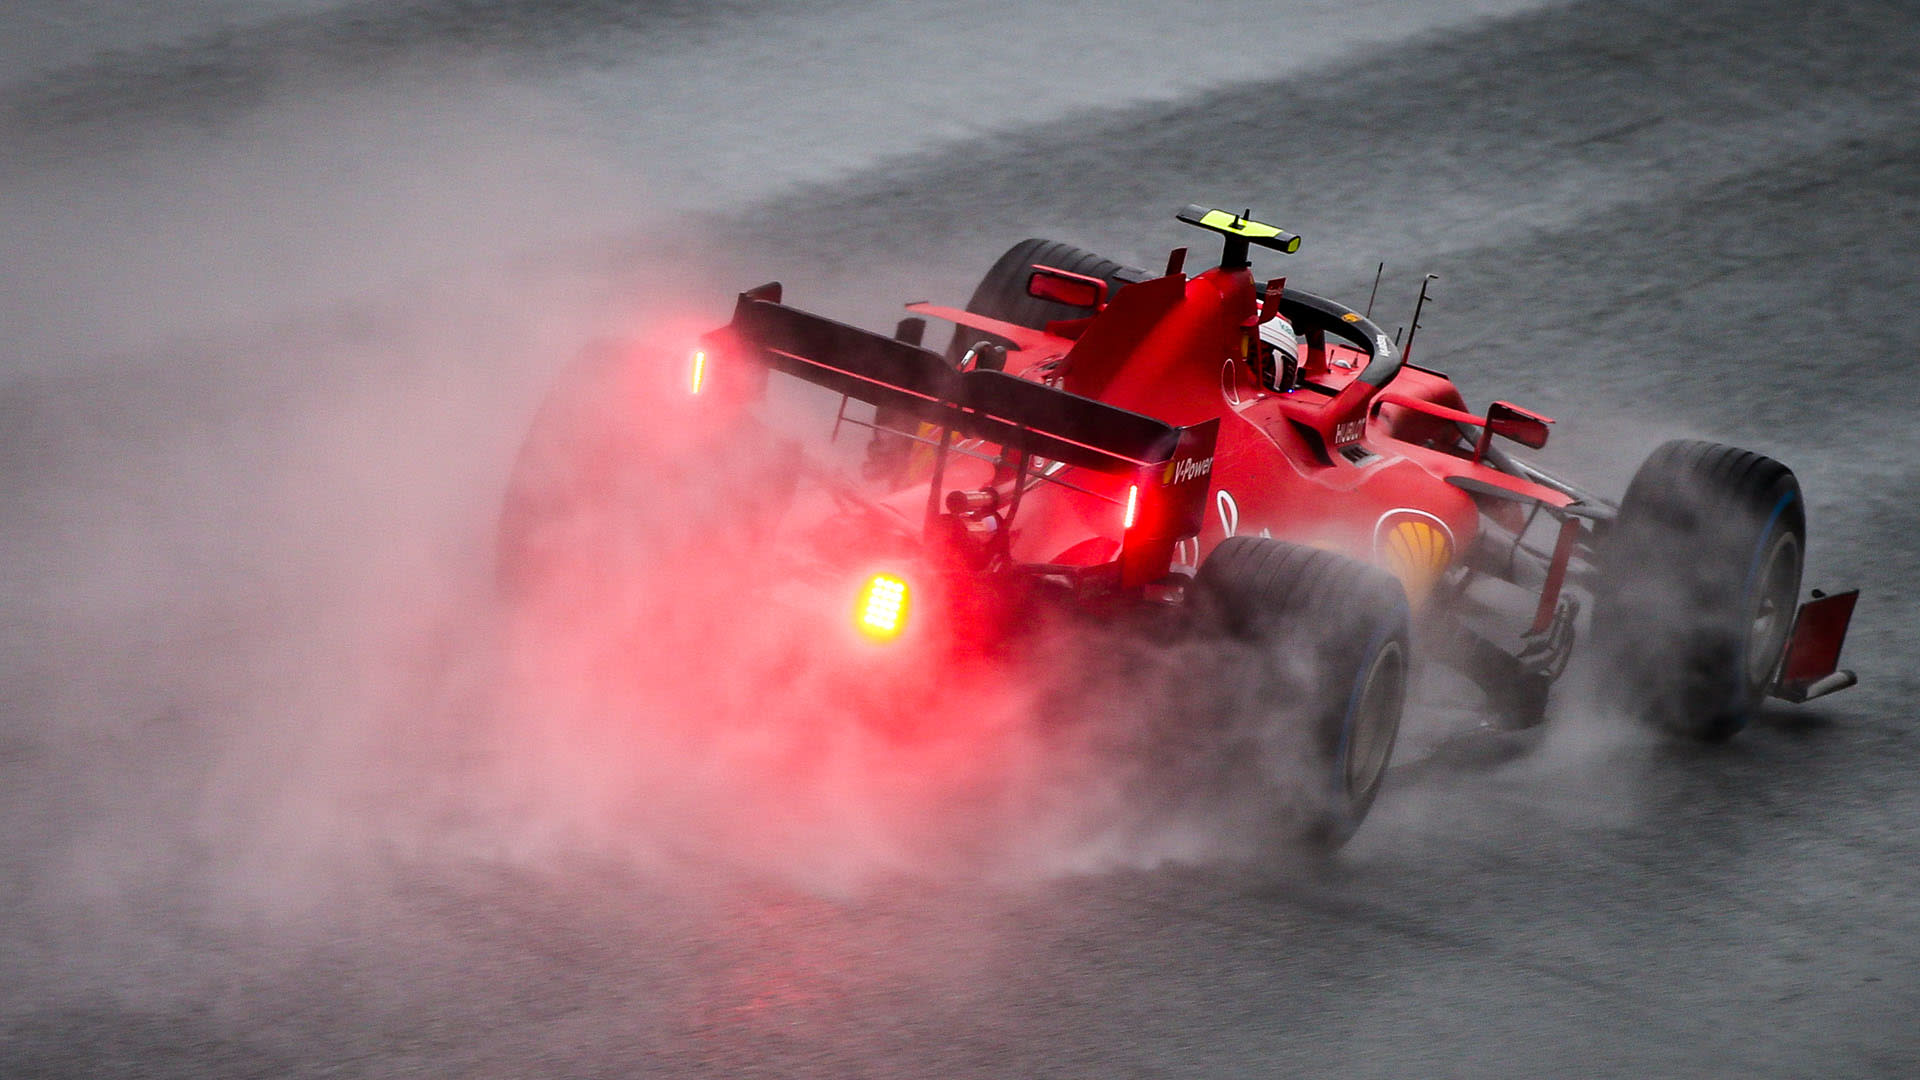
1229,512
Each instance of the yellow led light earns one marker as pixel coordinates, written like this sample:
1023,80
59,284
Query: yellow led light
1133,506
881,611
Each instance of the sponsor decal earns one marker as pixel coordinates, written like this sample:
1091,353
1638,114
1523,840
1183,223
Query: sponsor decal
1416,547
1187,552
1348,431
1179,472
1230,382
1229,511
1351,316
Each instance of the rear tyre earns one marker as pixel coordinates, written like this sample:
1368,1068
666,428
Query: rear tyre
1322,645
606,487
1700,577
562,512
1002,293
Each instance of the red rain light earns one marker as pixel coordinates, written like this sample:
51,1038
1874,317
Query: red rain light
699,373
881,612
1133,505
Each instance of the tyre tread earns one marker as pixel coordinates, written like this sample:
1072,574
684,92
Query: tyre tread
1002,292
1714,503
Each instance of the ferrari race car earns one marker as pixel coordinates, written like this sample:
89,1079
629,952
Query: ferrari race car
1217,458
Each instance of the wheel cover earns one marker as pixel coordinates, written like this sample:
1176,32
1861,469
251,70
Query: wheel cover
1374,722
1771,617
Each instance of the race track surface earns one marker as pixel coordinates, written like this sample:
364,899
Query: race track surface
285,283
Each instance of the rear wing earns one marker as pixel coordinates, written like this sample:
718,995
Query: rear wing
1170,465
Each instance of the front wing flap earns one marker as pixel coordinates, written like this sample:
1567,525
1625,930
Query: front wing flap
1811,667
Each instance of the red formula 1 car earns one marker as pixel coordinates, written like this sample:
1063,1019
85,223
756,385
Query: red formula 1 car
1262,468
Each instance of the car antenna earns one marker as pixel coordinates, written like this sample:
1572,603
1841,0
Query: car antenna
1377,271
1413,329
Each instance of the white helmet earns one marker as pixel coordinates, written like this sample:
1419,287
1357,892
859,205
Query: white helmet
1276,371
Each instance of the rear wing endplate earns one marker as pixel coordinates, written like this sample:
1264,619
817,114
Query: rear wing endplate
920,383
1170,465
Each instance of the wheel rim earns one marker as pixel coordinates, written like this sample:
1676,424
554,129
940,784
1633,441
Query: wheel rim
1773,610
1375,722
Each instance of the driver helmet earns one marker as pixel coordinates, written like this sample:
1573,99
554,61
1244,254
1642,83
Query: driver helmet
1279,353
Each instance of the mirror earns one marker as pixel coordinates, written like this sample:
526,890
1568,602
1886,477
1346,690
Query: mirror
1509,421
1074,290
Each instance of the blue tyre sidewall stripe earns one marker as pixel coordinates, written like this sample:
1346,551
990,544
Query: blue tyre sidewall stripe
1374,644
1746,590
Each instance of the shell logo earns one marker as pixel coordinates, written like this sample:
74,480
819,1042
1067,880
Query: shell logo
1415,547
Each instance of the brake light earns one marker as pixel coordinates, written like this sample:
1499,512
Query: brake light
1133,505
698,374
881,611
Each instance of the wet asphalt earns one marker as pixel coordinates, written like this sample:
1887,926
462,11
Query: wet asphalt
248,829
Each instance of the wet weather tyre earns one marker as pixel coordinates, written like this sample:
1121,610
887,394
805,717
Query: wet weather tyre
603,489
555,515
1324,648
1699,582
1002,293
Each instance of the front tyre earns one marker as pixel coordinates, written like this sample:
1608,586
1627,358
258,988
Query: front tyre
1002,292
1700,577
1324,645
